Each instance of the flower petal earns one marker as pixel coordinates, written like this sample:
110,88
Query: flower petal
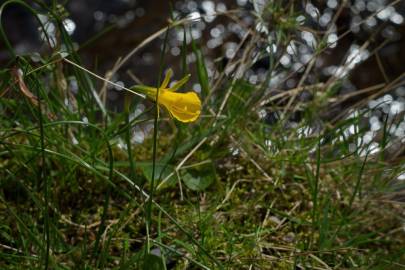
185,107
168,76
180,83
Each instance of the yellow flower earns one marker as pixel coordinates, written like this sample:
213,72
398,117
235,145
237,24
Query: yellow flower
185,107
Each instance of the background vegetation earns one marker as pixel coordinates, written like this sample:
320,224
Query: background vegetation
276,174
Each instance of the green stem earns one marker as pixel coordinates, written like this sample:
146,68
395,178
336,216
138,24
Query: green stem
155,134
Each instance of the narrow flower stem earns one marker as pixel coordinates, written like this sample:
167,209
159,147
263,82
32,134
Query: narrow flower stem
149,208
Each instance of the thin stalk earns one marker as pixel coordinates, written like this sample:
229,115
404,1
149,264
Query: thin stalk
101,78
43,177
359,176
128,138
155,134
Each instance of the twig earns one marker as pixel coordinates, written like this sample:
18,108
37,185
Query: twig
103,79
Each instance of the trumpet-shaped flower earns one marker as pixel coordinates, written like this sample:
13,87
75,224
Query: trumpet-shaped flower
185,107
